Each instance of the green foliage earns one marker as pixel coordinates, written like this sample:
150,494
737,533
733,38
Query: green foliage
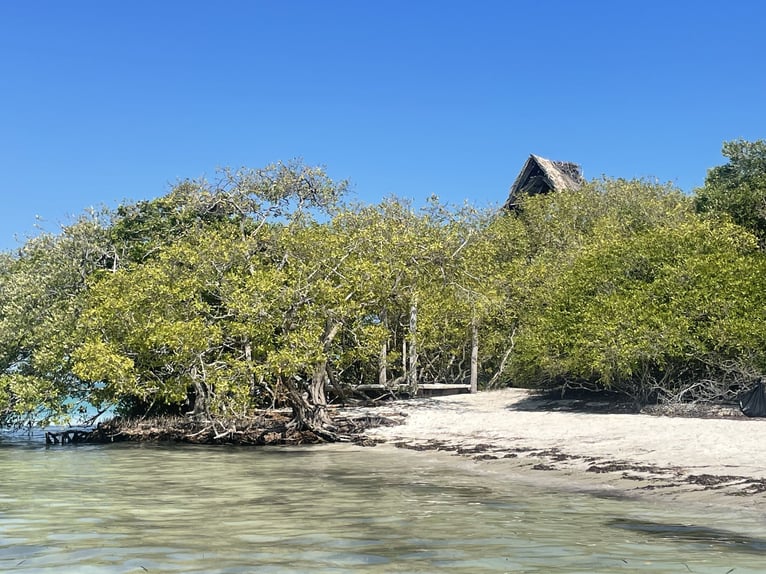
41,288
219,298
738,188
559,223
646,310
223,297
245,197
448,265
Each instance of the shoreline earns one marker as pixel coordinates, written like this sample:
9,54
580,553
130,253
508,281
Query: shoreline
702,460
590,445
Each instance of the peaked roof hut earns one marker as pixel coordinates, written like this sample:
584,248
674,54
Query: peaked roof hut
540,175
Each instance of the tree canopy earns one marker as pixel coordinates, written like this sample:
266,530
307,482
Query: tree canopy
738,188
264,289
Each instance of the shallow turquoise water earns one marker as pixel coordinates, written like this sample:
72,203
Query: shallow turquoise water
150,508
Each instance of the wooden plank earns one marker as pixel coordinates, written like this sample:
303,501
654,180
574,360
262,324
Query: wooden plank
425,388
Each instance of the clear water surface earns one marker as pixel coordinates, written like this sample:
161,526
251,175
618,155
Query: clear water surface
129,508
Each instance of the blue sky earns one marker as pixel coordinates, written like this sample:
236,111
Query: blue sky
105,101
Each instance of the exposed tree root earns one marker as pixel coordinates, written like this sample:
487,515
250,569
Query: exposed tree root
267,428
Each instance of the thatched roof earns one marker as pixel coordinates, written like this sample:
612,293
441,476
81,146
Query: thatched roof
540,175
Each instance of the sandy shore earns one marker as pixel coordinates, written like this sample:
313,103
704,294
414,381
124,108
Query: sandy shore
701,459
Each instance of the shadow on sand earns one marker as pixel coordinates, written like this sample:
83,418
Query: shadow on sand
577,402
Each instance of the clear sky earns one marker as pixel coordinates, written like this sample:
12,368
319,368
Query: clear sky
102,101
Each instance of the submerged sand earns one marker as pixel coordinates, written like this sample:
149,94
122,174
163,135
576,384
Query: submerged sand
511,431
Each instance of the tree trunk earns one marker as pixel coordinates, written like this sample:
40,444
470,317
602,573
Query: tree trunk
249,361
310,409
317,396
412,367
383,358
404,358
474,356
496,377
201,408
306,415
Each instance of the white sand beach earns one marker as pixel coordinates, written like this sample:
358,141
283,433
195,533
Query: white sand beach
634,454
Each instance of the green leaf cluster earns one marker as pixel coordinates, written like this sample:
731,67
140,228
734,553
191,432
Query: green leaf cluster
631,290
738,188
263,289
